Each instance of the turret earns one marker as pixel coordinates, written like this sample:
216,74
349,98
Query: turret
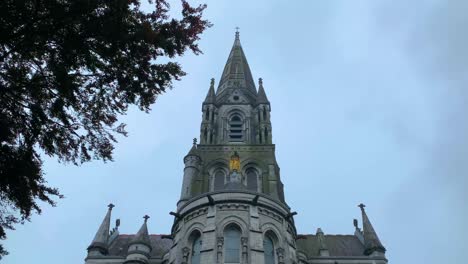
100,246
263,115
192,163
208,131
372,244
139,248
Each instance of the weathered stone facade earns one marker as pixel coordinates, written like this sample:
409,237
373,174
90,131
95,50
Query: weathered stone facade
232,207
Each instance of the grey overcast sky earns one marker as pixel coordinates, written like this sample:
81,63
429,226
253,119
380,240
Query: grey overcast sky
369,104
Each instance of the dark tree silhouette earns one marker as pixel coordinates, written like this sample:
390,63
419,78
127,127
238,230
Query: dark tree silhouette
68,69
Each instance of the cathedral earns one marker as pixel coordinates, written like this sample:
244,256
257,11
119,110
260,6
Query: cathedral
232,208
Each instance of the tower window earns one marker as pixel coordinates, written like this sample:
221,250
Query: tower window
232,242
236,133
252,180
207,114
219,180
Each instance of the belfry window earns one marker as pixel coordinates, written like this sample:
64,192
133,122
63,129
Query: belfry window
232,240
236,133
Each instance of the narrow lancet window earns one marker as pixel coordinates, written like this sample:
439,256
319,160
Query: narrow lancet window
269,250
252,180
196,248
219,180
232,242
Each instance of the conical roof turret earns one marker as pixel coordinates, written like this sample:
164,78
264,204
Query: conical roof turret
236,72
210,97
261,96
100,241
193,151
142,237
371,240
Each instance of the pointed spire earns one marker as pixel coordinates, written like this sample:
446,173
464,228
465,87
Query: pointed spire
142,237
100,241
236,72
210,97
371,240
193,151
261,96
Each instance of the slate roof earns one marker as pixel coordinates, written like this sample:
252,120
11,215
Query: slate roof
160,246
338,245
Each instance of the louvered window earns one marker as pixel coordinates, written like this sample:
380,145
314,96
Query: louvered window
236,133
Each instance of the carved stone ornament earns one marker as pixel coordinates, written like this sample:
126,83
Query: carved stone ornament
219,247
280,254
185,255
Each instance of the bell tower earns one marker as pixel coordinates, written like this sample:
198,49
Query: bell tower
232,196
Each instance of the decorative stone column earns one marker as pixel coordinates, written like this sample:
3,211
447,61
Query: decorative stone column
280,254
245,250
219,250
185,255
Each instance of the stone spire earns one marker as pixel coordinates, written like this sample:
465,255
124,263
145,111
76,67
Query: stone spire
139,248
193,151
236,72
100,241
371,240
142,237
210,97
261,96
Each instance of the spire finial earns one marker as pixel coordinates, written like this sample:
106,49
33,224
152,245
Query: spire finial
146,217
194,141
111,206
237,42
361,205
260,81
212,82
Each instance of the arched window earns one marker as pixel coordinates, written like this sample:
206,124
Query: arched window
269,250
219,180
196,248
266,135
264,114
205,135
232,241
207,114
252,180
235,129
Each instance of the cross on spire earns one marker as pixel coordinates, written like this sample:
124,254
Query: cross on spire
111,206
146,217
361,205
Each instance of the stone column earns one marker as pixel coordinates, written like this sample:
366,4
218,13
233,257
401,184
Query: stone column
208,250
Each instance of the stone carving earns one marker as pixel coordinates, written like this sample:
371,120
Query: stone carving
280,254
245,251
219,248
185,255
